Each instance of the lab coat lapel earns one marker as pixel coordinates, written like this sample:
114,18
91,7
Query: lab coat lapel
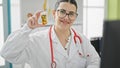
73,47
57,45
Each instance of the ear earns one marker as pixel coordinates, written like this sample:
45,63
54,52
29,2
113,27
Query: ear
53,13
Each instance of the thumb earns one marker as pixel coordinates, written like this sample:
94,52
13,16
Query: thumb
40,25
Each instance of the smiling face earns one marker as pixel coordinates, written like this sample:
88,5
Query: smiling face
65,15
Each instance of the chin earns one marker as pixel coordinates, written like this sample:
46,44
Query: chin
63,27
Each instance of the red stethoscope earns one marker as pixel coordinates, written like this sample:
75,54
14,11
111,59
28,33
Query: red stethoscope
53,63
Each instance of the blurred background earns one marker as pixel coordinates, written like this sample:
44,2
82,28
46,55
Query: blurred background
92,13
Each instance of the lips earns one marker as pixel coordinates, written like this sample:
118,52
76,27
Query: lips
64,22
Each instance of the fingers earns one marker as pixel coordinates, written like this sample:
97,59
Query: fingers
40,25
37,16
29,15
33,21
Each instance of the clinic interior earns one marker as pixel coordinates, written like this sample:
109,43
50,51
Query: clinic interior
90,20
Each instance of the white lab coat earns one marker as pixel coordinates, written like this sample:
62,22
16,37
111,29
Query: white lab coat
34,49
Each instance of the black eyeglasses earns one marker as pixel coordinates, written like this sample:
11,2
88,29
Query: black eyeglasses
71,15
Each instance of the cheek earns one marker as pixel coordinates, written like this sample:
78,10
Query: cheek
56,18
73,21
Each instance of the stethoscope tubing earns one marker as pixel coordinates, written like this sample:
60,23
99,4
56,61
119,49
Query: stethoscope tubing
53,63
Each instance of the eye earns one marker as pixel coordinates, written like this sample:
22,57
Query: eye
71,13
62,11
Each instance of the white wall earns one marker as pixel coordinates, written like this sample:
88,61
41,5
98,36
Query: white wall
31,6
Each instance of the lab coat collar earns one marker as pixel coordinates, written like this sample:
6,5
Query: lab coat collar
73,47
58,47
54,36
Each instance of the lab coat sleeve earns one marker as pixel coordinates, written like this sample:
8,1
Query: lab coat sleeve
15,49
93,59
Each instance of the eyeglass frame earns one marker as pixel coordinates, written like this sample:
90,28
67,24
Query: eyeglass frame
67,14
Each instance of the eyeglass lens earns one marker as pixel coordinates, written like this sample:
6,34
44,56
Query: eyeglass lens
62,13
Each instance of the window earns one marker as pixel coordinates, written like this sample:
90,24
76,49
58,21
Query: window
97,3
15,15
93,17
0,1
2,62
15,22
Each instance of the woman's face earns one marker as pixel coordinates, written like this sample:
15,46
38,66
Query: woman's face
65,15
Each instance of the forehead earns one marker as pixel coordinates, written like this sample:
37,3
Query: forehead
67,6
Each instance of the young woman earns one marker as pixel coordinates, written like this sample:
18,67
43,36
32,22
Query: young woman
60,46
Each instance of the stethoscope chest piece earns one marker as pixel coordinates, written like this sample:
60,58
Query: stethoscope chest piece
53,64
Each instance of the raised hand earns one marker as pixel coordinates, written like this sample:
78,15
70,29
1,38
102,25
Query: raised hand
33,21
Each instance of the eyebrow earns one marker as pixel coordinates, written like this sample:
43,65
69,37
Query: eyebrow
68,11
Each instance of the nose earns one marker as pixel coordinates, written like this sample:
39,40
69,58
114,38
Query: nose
67,17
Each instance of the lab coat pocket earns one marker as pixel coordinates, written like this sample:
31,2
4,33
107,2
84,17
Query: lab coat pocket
81,62
78,62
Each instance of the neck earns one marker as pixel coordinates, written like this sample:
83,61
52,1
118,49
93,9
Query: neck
62,32
63,35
